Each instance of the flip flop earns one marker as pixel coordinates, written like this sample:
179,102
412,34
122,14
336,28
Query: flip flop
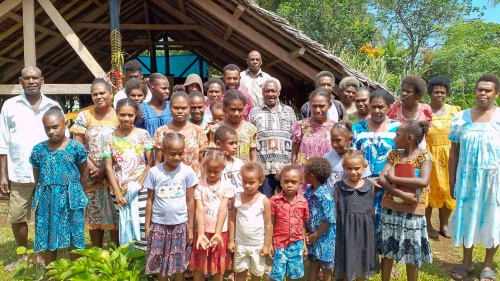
487,274
462,273
444,234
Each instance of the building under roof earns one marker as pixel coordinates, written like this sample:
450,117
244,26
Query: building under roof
70,40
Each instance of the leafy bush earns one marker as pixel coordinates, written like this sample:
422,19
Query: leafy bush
28,269
122,263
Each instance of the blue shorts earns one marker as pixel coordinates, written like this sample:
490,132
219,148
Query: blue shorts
288,262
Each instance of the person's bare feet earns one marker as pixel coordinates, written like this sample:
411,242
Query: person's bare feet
12,266
444,232
432,233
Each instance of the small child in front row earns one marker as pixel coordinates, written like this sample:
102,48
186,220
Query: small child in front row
250,226
212,198
321,225
60,170
403,228
356,256
289,212
170,212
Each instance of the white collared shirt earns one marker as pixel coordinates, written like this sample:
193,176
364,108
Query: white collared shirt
20,130
253,85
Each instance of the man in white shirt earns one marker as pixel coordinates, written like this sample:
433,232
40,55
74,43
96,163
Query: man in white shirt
21,129
253,78
133,69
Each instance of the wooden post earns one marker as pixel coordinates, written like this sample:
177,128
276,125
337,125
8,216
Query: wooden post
29,33
72,39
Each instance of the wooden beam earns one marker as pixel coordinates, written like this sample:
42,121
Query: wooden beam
38,27
8,59
142,42
135,26
297,52
257,38
182,6
8,5
49,89
236,15
29,33
271,63
73,40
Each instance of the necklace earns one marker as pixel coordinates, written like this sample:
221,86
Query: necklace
126,133
229,173
211,187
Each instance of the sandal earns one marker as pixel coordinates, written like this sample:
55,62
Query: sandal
487,274
460,273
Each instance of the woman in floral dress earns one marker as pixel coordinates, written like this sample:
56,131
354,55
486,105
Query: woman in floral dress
311,136
128,155
90,128
194,137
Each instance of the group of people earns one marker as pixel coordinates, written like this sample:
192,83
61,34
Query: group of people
218,176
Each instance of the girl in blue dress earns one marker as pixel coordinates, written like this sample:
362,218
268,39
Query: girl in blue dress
474,167
60,170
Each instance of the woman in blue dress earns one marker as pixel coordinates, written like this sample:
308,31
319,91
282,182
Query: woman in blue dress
60,170
474,167
156,112
375,136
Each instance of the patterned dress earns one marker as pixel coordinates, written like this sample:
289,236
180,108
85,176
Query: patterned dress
152,121
100,212
314,141
424,112
195,143
403,236
59,200
355,245
129,163
377,147
477,186
247,139
321,209
439,145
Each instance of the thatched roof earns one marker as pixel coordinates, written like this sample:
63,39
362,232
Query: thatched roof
218,31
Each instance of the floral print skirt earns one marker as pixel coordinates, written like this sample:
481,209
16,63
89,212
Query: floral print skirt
100,212
403,238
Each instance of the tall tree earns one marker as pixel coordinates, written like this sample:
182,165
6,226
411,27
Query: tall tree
339,25
419,22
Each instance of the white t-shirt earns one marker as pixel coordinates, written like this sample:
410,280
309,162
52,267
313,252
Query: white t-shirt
231,174
337,169
169,206
212,198
250,229
121,95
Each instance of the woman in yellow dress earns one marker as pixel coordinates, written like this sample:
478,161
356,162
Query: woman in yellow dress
438,144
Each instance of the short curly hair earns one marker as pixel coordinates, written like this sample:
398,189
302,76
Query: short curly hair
319,167
349,81
417,83
253,167
439,81
488,77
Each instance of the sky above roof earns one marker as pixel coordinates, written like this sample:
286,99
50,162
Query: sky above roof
491,14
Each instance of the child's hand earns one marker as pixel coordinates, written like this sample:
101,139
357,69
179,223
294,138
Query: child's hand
410,198
203,241
231,246
121,200
190,236
216,240
305,251
99,174
390,175
312,238
271,251
146,233
264,251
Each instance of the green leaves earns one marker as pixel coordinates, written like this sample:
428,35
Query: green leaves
122,263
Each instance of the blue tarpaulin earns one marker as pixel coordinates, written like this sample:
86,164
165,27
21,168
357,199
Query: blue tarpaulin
178,65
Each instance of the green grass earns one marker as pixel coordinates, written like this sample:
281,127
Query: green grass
444,260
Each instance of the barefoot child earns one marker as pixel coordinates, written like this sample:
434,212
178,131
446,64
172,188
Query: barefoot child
321,225
60,170
289,212
355,246
212,196
170,212
403,230
250,226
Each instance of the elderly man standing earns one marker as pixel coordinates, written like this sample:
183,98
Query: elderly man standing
253,78
274,131
21,128
336,112
231,78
